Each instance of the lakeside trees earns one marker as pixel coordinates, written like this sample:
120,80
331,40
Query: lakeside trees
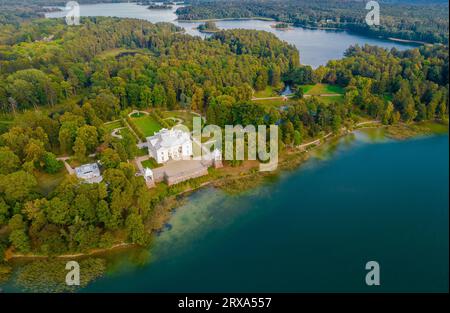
60,92
427,22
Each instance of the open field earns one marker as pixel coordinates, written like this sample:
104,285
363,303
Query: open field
320,89
147,125
333,99
275,103
266,93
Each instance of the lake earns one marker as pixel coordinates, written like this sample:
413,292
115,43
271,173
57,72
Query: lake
316,46
359,199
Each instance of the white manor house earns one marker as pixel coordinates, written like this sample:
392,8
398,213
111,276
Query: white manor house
170,144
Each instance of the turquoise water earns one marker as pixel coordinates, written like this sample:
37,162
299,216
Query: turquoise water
316,47
311,230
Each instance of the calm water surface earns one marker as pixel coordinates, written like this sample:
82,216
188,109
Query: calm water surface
312,230
362,198
316,47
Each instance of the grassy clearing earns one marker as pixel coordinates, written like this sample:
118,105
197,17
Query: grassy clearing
111,126
186,116
275,103
334,99
268,92
48,182
320,89
306,88
147,125
118,51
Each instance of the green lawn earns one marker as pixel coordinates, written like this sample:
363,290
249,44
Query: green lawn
334,99
185,116
150,163
319,89
111,126
266,93
274,103
147,125
306,88
138,114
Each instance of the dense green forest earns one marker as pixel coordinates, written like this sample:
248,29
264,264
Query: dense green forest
59,92
419,21
60,84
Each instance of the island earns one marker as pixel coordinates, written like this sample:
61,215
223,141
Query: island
208,27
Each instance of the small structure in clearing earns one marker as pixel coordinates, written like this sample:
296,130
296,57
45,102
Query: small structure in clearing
90,173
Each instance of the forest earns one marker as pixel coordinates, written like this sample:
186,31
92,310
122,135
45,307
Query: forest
408,20
60,84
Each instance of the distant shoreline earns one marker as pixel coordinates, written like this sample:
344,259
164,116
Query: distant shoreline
267,19
292,26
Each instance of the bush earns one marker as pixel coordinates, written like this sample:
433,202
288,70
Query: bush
51,164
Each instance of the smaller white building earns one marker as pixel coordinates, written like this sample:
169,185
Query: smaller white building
90,173
170,144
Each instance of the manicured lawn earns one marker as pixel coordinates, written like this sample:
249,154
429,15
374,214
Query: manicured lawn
48,182
138,114
147,125
111,126
334,99
266,93
320,89
150,163
275,103
183,115
306,88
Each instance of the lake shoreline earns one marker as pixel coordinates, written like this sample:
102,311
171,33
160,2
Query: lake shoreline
290,160
292,26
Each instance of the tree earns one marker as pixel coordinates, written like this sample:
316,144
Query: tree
171,99
299,93
136,230
57,211
89,136
197,99
9,162
17,186
80,149
297,138
109,158
18,236
51,164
